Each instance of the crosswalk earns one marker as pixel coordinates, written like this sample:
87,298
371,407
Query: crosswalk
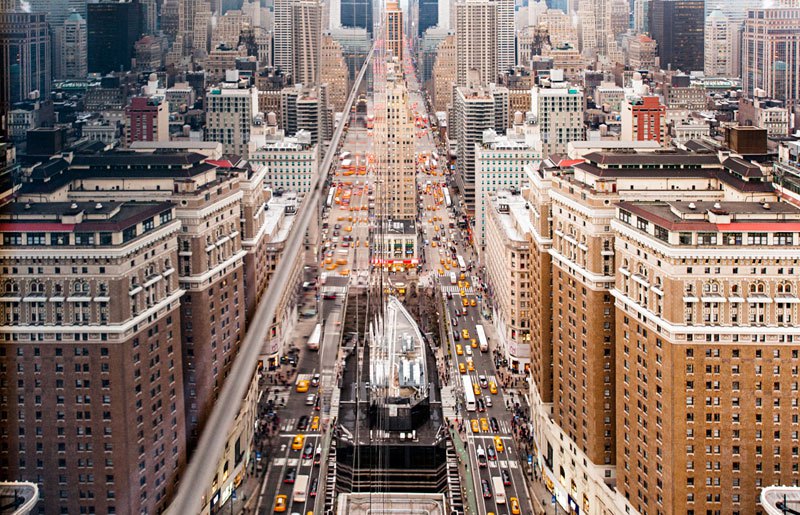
456,289
503,464
334,289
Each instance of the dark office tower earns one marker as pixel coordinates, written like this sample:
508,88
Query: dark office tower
356,13
24,58
113,28
428,15
678,27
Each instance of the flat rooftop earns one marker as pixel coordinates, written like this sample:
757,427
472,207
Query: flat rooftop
366,503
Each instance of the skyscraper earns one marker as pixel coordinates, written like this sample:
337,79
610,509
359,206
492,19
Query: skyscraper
356,13
24,58
70,49
428,15
770,53
113,28
722,45
678,27
394,128
307,37
283,39
394,30
504,30
476,40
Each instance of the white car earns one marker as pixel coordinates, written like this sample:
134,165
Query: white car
311,399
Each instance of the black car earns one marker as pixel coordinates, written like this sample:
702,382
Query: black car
316,404
481,405
455,322
290,476
506,477
494,424
456,336
491,453
302,424
312,492
308,451
487,490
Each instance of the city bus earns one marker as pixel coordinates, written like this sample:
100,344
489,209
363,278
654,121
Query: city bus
313,340
482,341
461,264
447,200
300,487
499,490
330,197
469,394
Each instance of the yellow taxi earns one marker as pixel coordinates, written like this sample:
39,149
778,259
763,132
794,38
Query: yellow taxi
297,442
466,284
459,349
440,271
441,261
473,302
473,343
475,427
434,244
514,505
341,261
498,444
470,365
345,272
462,368
446,266
465,334
492,387
315,423
331,266
476,388
461,291
462,276
280,504
328,260
464,302
485,425
461,284
302,386
349,228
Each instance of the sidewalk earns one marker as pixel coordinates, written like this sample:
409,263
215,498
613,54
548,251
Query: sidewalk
467,488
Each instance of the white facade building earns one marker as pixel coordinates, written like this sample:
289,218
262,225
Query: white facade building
230,113
292,162
558,114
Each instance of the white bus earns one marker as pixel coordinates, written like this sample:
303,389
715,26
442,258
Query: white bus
448,202
499,490
300,487
453,279
482,341
344,155
469,395
461,264
330,197
313,340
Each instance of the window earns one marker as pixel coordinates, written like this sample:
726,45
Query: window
36,238
642,224
756,238
685,238
661,233
782,238
706,238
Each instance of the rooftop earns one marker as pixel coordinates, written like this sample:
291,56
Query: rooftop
717,216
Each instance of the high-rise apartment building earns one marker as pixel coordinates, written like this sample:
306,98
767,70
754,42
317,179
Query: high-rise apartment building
505,32
147,119
508,269
113,28
475,109
24,59
706,323
283,40
445,72
394,138
722,46
560,29
500,163
678,28
593,349
558,111
307,38
306,108
95,376
231,109
394,30
476,41
333,72
770,50
644,119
